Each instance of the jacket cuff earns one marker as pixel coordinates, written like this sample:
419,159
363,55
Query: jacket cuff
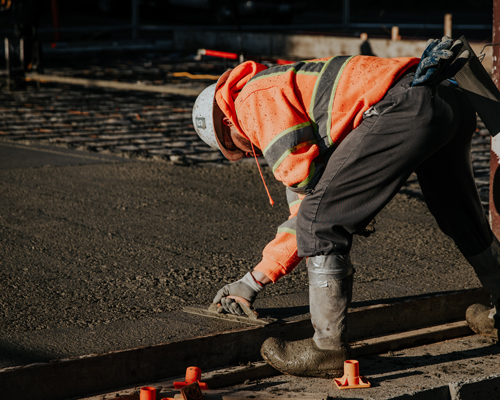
272,269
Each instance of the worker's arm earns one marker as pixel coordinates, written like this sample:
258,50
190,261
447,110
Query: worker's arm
275,121
280,255
279,258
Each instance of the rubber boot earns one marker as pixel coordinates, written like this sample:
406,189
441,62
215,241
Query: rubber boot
482,319
323,355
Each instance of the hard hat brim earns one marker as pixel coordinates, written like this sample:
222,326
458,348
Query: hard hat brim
217,117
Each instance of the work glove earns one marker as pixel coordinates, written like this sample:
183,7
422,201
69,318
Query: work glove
435,61
247,288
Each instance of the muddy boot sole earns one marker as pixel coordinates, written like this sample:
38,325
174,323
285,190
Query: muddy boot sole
477,316
303,358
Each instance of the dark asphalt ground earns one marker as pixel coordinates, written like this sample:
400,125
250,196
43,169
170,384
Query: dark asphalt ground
100,253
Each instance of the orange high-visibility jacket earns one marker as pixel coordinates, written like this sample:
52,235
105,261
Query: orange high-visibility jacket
295,114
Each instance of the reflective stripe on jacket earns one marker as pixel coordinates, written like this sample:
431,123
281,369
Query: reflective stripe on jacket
298,113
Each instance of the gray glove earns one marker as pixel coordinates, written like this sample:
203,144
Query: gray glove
436,58
247,288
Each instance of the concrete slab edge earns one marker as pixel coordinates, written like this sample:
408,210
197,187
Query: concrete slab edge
487,387
437,393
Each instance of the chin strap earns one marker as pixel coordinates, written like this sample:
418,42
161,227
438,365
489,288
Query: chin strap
271,201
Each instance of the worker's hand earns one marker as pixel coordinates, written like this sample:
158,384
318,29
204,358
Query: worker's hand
247,288
436,58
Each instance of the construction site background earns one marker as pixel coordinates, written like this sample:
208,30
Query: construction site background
111,221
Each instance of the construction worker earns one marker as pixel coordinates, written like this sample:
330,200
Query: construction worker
344,134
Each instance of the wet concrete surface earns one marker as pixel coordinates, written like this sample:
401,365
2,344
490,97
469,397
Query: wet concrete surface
102,256
16,155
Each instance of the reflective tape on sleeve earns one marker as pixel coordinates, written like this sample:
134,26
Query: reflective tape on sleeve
320,111
292,198
306,186
287,142
290,226
301,67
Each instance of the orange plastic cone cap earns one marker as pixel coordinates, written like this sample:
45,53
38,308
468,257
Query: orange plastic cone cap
148,393
351,378
193,374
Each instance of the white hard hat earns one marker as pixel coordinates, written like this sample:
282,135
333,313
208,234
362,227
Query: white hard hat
207,120
203,116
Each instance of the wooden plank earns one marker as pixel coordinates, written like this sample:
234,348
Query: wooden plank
79,376
403,315
412,313
170,89
418,337
219,379
251,395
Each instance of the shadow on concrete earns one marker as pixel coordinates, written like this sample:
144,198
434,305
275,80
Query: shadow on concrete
400,363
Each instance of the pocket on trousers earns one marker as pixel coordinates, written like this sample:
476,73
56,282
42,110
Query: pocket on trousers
383,105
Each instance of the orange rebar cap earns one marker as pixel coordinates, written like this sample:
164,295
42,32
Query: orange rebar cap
193,374
148,393
351,378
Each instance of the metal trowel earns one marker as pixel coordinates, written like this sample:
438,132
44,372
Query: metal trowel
216,311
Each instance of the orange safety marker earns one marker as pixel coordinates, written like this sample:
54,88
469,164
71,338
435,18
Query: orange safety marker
193,374
148,393
216,53
351,378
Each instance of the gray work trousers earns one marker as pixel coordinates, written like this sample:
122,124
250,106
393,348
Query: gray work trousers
420,129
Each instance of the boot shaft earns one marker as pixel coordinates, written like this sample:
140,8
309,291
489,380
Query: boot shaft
330,294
